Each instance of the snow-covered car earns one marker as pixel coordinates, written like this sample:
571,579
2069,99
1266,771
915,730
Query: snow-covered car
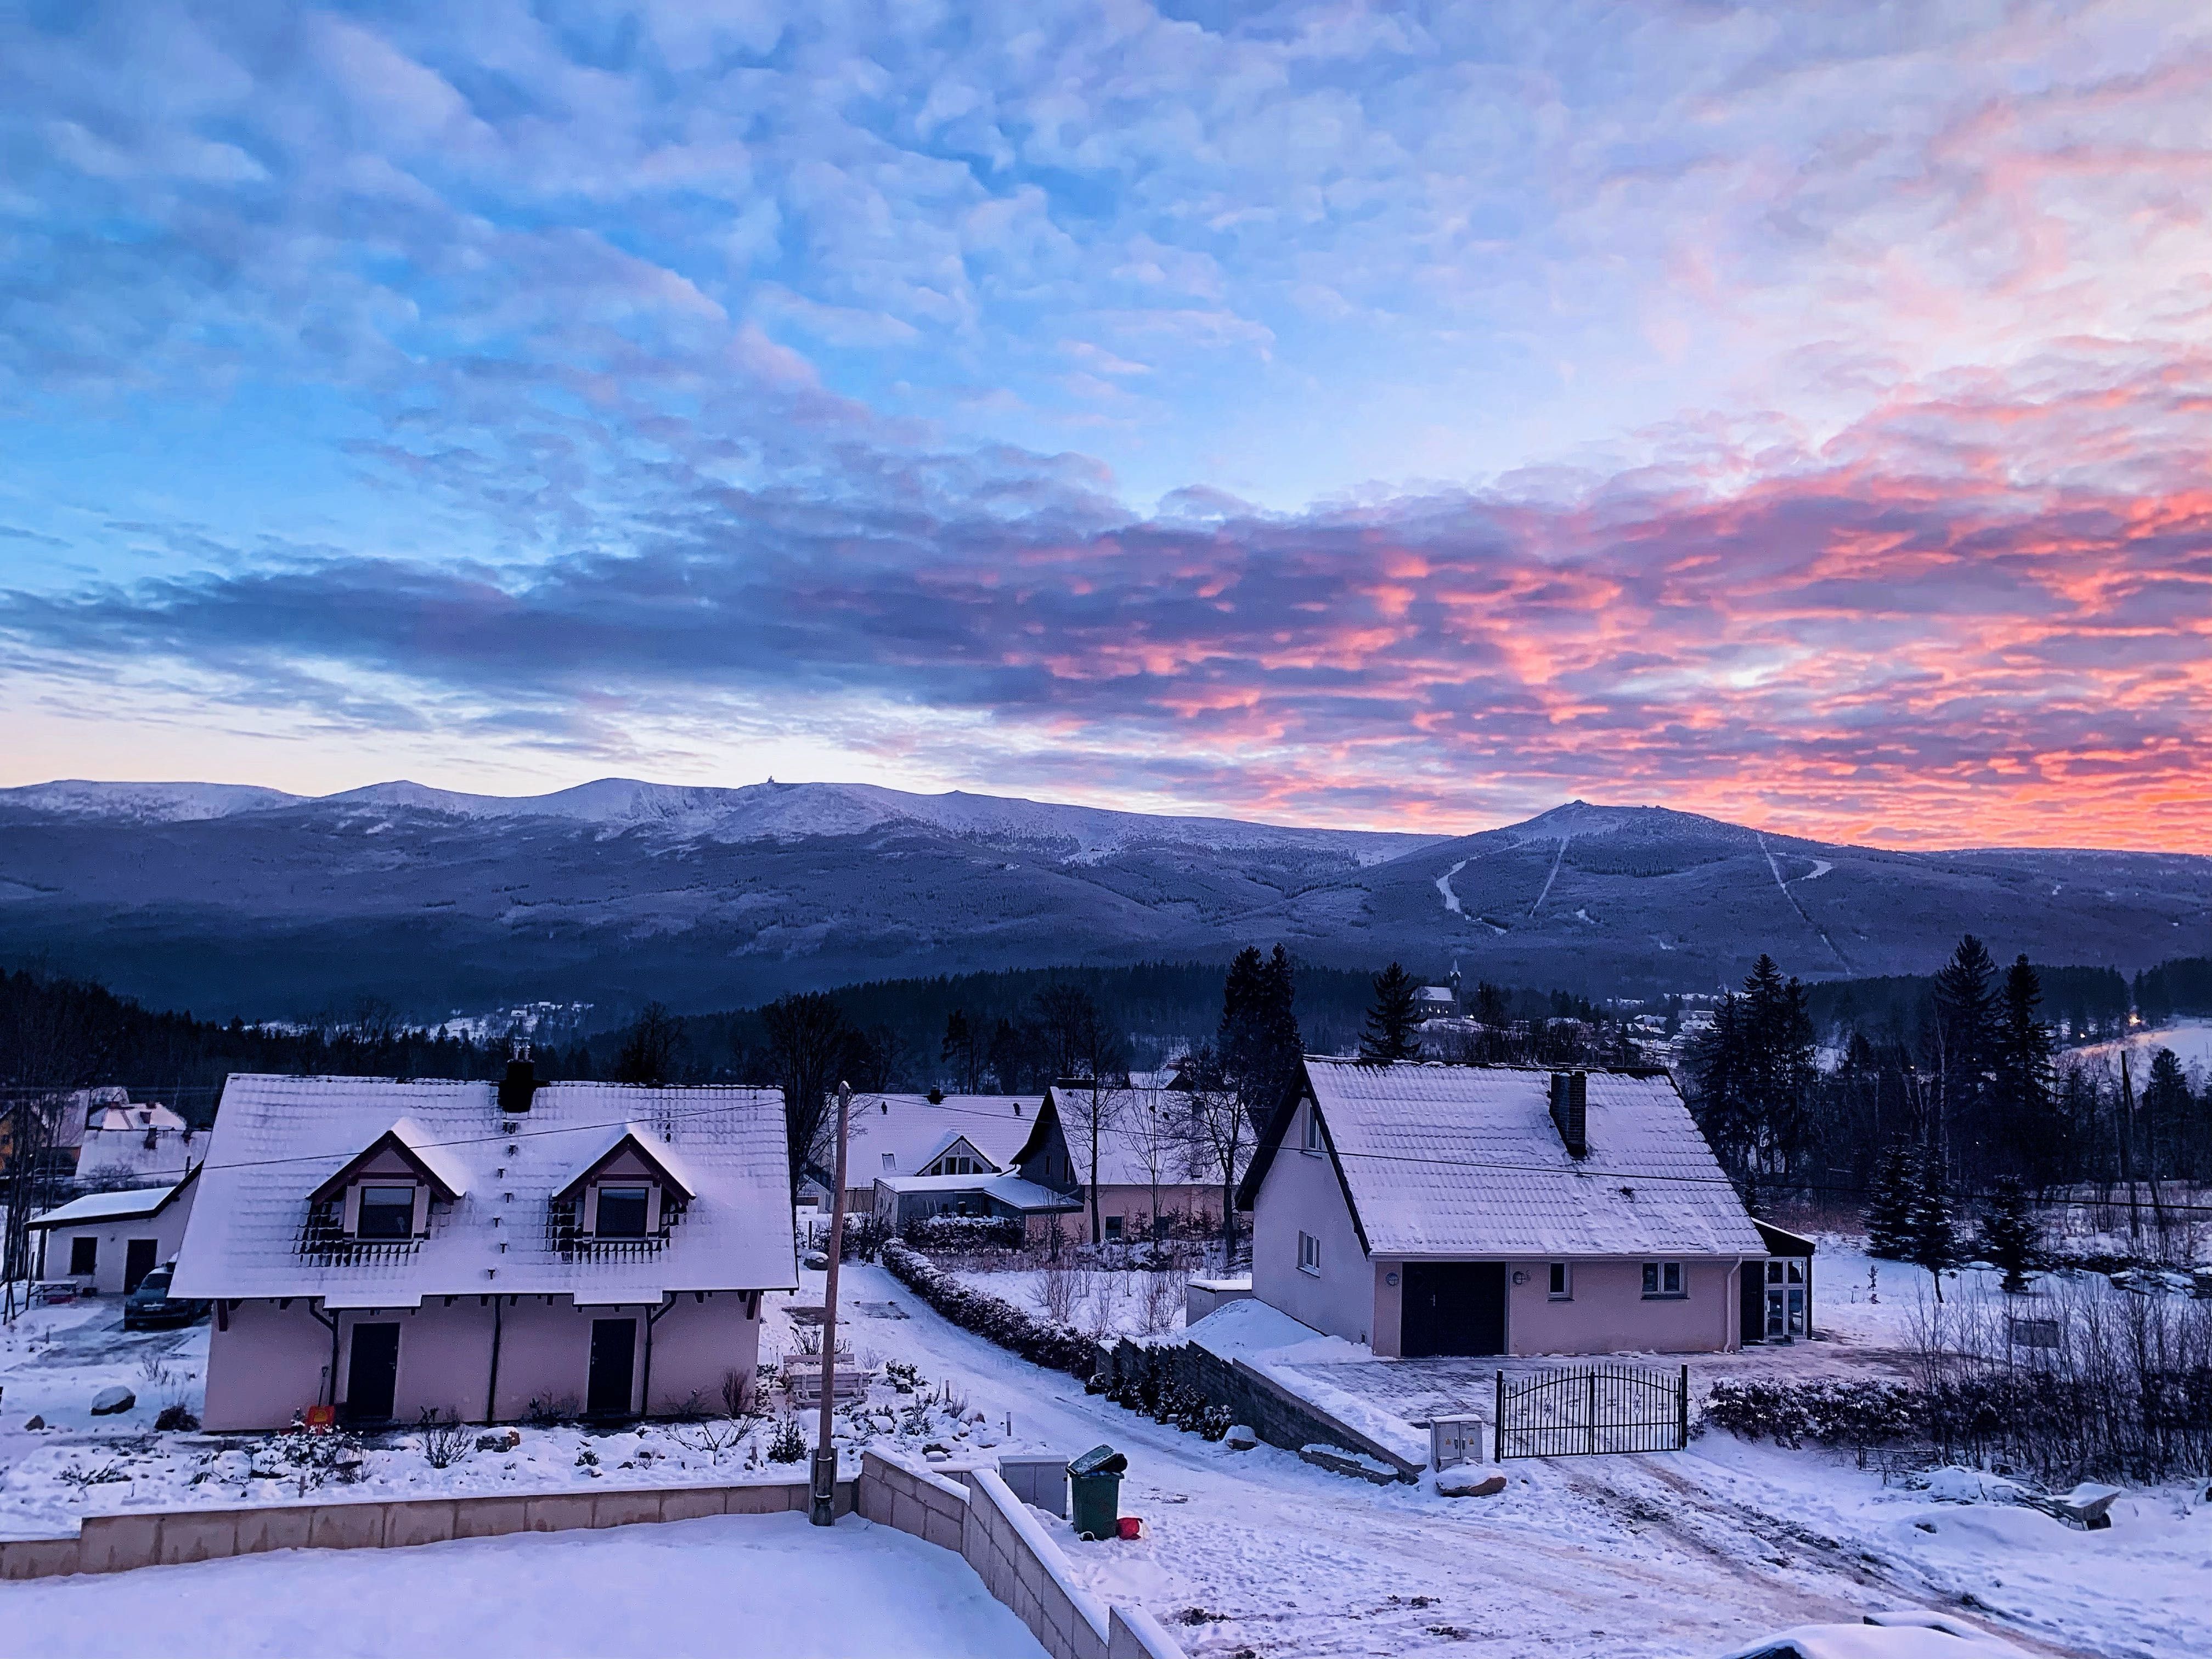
150,1307
1909,1634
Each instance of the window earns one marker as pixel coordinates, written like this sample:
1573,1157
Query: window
386,1213
622,1212
1313,1140
1563,1282
1310,1254
1774,1272
1663,1279
891,1160
84,1255
1113,1227
958,1166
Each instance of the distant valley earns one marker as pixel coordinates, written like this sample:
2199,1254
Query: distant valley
232,900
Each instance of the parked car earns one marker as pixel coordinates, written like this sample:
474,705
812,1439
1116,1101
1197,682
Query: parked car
150,1307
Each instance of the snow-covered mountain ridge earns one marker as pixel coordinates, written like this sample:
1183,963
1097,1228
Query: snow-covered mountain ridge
230,900
764,811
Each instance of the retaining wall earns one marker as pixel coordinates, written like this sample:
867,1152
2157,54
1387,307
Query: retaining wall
1265,1406
116,1543
1012,1554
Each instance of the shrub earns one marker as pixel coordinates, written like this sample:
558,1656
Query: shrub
176,1416
789,1445
446,1439
1856,1412
965,1233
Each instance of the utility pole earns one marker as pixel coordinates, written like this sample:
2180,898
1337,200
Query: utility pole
824,1512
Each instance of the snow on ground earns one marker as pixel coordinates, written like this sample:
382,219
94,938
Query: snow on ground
1107,1303
54,1360
771,1585
2190,1039
1679,1554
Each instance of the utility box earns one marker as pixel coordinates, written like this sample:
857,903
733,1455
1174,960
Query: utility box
1094,1482
1455,1440
1039,1481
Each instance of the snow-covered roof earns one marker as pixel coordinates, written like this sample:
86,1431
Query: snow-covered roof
418,1145
913,1132
1009,1189
1442,1161
127,1119
108,1206
650,1147
1144,1129
277,1139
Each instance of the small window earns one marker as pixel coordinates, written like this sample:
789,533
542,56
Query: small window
1113,1227
1308,1254
891,1160
1313,1140
1774,1272
1563,1282
84,1256
1663,1279
622,1212
387,1213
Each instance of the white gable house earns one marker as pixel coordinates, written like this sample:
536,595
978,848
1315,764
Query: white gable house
484,1251
1429,1209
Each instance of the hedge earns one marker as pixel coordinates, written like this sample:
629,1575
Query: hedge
1061,1347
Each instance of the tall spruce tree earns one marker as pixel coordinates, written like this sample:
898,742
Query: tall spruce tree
2010,1240
1390,1021
1255,1060
1754,1075
1932,1238
2166,1109
1966,1010
1889,1206
2026,1087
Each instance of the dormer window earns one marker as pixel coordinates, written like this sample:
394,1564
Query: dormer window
387,1211
623,1211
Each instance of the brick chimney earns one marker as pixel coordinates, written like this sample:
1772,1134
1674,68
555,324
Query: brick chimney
516,1088
1570,1110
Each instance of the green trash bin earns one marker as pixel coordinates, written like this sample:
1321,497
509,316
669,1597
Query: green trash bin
1094,1484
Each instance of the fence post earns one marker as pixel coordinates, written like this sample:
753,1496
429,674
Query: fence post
1682,1412
1590,1428
1497,1424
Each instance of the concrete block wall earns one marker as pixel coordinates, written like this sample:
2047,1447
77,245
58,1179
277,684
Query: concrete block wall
1009,1550
1270,1410
116,1543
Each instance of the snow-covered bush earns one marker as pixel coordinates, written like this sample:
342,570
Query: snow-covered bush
1842,1412
964,1233
1038,1340
789,1444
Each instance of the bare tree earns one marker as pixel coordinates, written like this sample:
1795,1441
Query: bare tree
1089,1112
647,1054
1155,1126
808,1040
1219,1128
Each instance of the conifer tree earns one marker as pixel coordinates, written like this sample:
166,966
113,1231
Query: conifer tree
2011,1242
1390,1021
1889,1207
2026,1083
1933,1238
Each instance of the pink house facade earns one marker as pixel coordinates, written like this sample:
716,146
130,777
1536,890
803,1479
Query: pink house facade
484,1251
1428,1209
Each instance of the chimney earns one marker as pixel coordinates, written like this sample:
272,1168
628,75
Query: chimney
516,1088
1570,1110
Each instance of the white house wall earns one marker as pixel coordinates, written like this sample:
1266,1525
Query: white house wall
1301,1193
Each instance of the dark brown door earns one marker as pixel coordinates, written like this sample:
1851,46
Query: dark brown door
373,1373
614,1352
1453,1308
137,1260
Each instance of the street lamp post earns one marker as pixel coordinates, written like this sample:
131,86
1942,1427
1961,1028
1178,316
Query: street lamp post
824,1512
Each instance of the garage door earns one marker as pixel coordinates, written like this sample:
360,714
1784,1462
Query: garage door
1453,1307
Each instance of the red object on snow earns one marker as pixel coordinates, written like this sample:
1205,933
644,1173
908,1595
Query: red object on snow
1131,1528
320,1419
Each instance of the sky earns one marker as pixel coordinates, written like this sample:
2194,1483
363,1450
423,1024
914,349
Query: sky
1377,416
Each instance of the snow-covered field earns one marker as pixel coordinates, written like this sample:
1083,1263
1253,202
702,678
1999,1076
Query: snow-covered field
2190,1039
770,1585
54,1360
1684,1554
1104,1303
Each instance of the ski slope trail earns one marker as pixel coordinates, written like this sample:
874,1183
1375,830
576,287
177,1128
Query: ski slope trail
1444,886
1287,1560
1557,859
1775,869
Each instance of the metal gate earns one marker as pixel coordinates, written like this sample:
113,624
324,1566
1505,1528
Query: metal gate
1585,1410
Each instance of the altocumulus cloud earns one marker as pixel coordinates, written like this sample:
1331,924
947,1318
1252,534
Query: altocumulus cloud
740,363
